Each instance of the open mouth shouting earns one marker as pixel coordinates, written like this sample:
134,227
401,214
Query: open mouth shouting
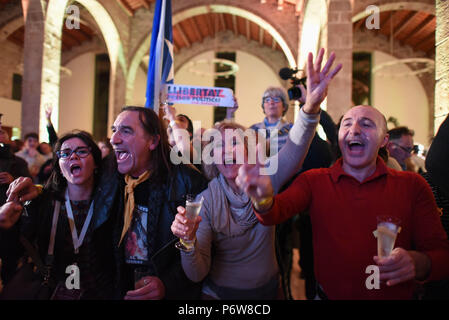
121,155
75,169
356,147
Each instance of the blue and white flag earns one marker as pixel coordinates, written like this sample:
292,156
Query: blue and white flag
160,68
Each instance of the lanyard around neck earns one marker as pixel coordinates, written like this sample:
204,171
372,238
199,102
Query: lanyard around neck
77,242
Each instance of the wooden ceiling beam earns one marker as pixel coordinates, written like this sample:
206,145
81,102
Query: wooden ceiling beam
71,38
426,41
144,3
210,25
358,24
125,5
234,25
406,22
424,27
390,19
415,30
222,21
183,35
84,33
196,30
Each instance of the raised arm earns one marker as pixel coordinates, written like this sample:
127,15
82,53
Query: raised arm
52,135
293,153
180,136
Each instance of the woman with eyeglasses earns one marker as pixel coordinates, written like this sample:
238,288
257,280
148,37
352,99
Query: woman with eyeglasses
70,222
234,256
274,106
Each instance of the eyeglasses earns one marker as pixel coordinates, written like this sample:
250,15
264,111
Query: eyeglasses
407,150
272,99
81,152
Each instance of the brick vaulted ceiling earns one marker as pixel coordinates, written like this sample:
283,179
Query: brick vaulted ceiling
196,28
413,28
70,37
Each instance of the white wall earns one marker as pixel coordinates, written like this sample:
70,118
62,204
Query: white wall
77,95
401,97
140,88
253,77
205,114
12,112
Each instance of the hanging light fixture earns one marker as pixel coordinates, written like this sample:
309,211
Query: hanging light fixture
419,66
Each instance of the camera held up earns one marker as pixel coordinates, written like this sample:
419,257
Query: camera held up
294,93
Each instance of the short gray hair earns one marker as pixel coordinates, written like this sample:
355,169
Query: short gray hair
277,92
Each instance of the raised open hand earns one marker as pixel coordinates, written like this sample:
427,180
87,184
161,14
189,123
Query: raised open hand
318,80
48,111
230,111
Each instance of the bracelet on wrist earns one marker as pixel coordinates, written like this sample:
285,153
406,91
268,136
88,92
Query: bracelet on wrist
264,202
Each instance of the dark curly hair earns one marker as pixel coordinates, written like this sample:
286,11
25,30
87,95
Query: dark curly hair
57,183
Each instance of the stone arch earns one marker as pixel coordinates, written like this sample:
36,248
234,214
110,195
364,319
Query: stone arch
188,12
424,6
11,12
225,41
52,48
10,27
136,60
261,22
283,22
96,45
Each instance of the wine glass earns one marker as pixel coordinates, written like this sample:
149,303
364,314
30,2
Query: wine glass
193,208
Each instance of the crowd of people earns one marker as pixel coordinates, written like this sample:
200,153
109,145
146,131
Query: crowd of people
116,208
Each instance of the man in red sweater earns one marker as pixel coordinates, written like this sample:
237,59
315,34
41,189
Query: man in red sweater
345,200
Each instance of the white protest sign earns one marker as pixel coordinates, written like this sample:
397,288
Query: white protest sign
212,96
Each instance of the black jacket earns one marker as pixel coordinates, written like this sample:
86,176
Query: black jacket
437,159
99,252
165,259
10,249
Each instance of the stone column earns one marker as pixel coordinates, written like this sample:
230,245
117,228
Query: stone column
442,63
339,40
33,13
117,93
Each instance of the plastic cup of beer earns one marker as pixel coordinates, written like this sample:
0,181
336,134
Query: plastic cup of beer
193,208
387,230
